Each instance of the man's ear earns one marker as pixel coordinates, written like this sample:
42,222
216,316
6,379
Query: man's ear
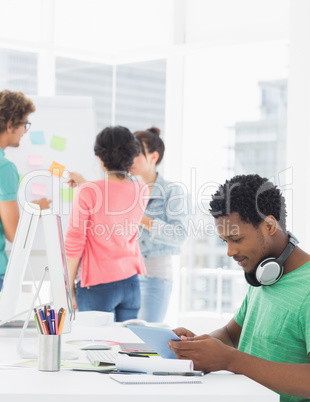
271,225
9,126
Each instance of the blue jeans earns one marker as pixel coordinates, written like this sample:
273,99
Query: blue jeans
1,281
155,296
121,298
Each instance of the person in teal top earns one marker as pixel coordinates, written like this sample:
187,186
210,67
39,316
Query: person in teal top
268,339
14,111
9,183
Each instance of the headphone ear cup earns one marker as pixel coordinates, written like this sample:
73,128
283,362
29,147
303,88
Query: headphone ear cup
251,279
269,271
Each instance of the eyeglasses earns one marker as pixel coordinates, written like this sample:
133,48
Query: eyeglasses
27,124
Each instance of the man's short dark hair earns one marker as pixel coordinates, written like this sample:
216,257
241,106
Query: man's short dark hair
252,197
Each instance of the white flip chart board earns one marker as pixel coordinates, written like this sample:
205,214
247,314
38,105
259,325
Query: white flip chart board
63,130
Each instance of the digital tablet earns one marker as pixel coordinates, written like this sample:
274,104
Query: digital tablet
156,338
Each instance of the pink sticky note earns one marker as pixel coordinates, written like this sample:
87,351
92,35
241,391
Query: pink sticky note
39,189
35,160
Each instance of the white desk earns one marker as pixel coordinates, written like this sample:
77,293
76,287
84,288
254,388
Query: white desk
31,385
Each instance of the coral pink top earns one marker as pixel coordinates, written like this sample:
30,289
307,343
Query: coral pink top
103,230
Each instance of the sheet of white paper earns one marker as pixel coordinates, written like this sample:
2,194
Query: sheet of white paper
154,379
152,363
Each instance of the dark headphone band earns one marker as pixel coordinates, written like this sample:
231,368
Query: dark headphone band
255,278
288,249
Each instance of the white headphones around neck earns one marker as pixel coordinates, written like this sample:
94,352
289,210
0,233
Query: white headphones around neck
270,270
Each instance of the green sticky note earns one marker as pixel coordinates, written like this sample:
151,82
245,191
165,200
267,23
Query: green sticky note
21,176
67,194
58,143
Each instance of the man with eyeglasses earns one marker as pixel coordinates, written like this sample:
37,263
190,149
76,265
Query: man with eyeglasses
14,111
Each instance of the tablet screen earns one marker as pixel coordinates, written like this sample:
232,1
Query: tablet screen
156,338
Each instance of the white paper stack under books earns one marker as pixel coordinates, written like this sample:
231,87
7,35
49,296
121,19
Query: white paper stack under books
152,364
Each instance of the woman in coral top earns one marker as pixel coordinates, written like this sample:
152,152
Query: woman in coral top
102,248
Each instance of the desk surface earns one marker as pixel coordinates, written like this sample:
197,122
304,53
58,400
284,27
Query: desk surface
29,384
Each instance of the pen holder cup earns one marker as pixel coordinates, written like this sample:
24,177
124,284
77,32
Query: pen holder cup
49,352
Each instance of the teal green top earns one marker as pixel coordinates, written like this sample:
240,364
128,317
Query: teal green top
275,321
9,183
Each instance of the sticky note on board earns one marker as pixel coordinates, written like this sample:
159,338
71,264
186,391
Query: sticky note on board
67,194
39,189
37,137
56,169
35,160
21,176
58,143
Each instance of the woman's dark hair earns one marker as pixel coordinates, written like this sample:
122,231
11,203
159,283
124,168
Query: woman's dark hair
117,147
150,141
252,197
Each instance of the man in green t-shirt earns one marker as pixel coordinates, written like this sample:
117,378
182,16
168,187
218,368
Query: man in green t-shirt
14,111
268,340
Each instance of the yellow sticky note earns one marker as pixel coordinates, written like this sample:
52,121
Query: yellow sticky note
58,143
67,194
56,169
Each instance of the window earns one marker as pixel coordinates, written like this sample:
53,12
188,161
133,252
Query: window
140,95
239,108
138,101
81,78
19,71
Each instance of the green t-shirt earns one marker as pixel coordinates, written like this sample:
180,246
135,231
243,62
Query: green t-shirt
275,321
9,183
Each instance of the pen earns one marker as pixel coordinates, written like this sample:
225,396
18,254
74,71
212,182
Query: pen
37,323
53,321
185,373
35,320
44,324
60,312
38,313
38,319
134,354
49,321
62,321
56,322
45,310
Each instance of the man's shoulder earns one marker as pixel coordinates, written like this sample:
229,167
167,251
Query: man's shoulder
7,164
9,180
303,271
8,171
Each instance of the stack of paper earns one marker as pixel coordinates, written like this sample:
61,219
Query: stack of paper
153,379
152,364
